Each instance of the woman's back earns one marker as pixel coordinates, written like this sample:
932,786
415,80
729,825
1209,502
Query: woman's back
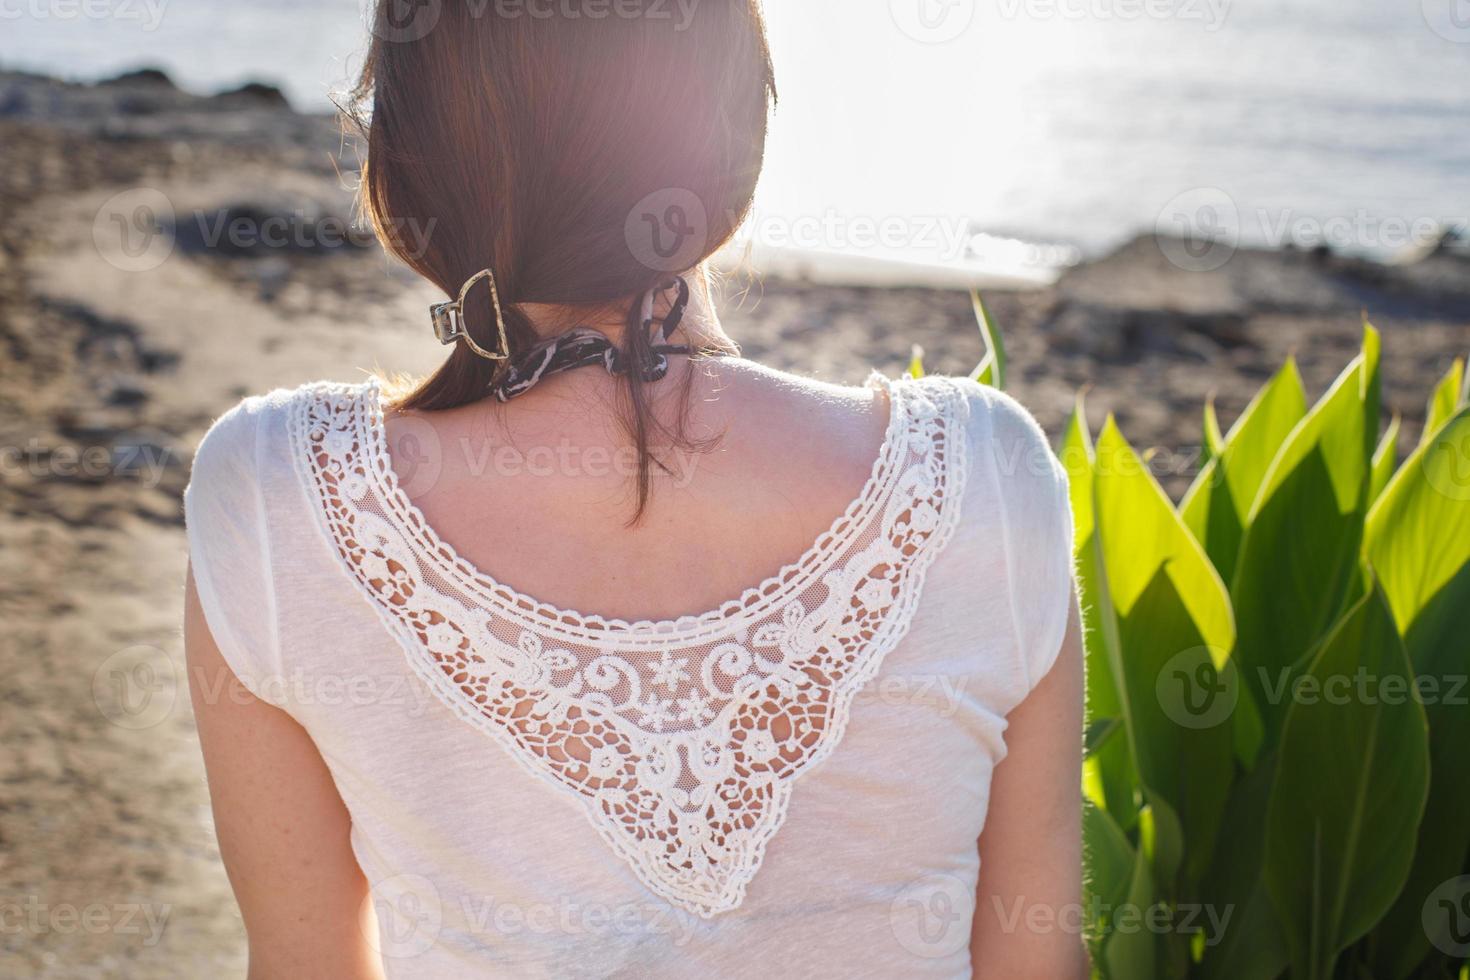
774,452
535,791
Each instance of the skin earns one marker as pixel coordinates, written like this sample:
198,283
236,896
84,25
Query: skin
1032,840
282,827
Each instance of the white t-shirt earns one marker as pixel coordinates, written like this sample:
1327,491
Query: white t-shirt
791,784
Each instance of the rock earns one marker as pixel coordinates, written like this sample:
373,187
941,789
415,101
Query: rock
141,104
13,102
125,392
1087,332
1112,335
268,227
256,94
1140,276
141,76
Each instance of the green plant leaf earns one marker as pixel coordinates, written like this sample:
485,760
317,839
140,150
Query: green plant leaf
1447,399
1110,862
1418,542
1133,953
1217,504
1418,533
916,362
1109,779
992,368
1161,835
1252,946
1151,535
1385,461
1174,626
1130,948
1248,731
1098,734
985,371
1350,787
1214,442
1161,841
1077,459
1299,555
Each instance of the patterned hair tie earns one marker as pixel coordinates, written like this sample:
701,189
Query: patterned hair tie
584,346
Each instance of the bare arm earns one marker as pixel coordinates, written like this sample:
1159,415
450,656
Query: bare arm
282,827
1028,907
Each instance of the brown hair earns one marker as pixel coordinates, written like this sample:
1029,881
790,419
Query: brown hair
557,148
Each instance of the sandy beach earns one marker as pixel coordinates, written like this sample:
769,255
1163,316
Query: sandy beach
117,351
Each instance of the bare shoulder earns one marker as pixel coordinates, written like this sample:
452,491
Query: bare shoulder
826,420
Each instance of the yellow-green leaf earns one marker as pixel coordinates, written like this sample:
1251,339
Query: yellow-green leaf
1108,774
1418,534
992,369
1299,554
1175,632
1149,536
1418,542
1214,441
1448,398
1217,504
1385,461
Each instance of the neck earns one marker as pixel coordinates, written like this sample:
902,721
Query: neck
700,327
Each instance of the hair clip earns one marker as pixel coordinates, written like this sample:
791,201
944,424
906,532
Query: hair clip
449,323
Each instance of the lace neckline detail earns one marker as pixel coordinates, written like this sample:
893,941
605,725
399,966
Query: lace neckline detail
681,740
752,602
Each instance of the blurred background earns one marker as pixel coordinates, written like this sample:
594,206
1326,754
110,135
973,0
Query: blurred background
1161,200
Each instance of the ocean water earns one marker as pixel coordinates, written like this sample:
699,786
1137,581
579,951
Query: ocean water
1009,134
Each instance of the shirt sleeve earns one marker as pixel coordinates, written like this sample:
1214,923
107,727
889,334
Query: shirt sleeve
229,549
1035,533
